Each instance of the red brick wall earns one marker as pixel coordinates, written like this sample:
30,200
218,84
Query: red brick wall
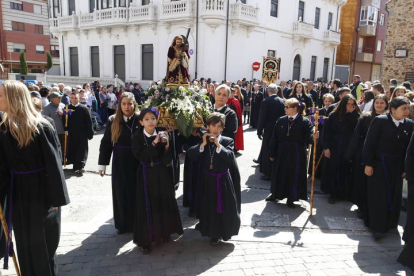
28,7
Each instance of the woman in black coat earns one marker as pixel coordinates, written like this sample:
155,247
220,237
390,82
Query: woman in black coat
354,153
299,93
291,136
383,156
117,142
337,133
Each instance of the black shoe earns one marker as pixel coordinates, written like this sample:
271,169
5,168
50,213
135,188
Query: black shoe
166,239
290,204
377,235
271,197
265,177
78,172
198,227
191,214
120,232
256,161
332,200
146,250
214,242
360,214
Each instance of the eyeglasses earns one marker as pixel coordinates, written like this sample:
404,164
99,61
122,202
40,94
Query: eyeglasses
287,107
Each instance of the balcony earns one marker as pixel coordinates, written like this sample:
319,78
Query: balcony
332,37
243,14
177,11
337,2
302,30
142,14
364,57
67,23
111,17
368,30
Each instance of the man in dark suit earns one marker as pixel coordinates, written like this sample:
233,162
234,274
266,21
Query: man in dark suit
271,109
313,92
256,100
264,90
222,94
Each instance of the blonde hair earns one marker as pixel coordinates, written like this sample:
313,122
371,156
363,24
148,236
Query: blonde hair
21,118
116,127
329,96
394,93
239,94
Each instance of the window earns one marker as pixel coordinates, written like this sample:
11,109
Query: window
74,61
37,71
56,8
301,12
243,1
92,6
122,3
313,68
369,16
379,45
95,62
147,63
18,47
145,2
360,44
40,49
17,26
274,4
330,16
54,50
16,6
37,9
382,19
317,17
325,69
72,7
38,29
105,4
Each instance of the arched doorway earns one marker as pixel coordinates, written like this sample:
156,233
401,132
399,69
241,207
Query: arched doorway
296,68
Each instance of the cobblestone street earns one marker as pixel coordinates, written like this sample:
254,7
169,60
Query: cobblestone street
273,239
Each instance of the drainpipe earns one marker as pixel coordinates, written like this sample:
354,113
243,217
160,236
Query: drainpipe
227,40
334,51
196,48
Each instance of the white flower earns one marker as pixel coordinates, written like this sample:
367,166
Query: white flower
167,89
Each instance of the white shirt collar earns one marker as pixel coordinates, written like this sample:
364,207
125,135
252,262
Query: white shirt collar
219,109
397,122
294,117
126,118
76,105
149,135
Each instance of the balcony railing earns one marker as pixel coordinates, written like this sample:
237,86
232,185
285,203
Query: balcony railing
68,22
332,37
214,5
142,14
177,10
243,13
111,16
87,20
302,29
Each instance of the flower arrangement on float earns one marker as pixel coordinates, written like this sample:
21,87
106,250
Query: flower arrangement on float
181,107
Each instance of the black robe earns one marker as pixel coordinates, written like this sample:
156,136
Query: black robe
176,148
271,110
191,187
354,154
42,186
385,150
124,171
79,132
156,211
289,175
231,123
319,151
257,99
407,255
314,95
305,98
217,221
336,137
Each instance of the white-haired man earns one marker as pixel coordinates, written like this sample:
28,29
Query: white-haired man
67,92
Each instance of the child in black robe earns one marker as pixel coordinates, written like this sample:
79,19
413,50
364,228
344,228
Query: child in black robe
157,215
124,165
383,155
354,153
291,136
219,212
337,133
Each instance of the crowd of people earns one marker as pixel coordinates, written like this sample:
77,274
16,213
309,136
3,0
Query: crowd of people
365,146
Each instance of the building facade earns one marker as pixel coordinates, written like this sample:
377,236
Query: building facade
363,27
101,39
399,50
25,27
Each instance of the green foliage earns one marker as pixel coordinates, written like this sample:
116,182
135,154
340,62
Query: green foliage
49,61
23,64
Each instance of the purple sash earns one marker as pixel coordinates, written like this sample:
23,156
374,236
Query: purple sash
9,248
218,176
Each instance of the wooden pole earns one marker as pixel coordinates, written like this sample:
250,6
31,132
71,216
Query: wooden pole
6,233
66,135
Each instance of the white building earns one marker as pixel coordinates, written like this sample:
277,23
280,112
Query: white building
101,38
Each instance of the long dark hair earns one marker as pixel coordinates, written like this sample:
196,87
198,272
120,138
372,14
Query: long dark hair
373,112
294,93
280,92
340,109
116,126
368,96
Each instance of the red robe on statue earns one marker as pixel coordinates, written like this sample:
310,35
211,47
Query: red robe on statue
234,104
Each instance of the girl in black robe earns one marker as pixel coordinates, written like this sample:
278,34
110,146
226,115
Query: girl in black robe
354,153
219,212
337,133
38,188
117,142
291,136
383,155
406,257
156,211
323,170
299,93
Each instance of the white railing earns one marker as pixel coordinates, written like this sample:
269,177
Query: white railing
243,12
176,9
142,13
87,20
68,22
114,15
332,37
302,29
54,23
214,5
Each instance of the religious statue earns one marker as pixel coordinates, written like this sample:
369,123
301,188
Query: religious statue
178,63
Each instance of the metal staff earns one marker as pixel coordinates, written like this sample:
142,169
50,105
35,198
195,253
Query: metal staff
6,233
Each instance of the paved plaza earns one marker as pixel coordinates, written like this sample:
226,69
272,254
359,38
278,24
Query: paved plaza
273,239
